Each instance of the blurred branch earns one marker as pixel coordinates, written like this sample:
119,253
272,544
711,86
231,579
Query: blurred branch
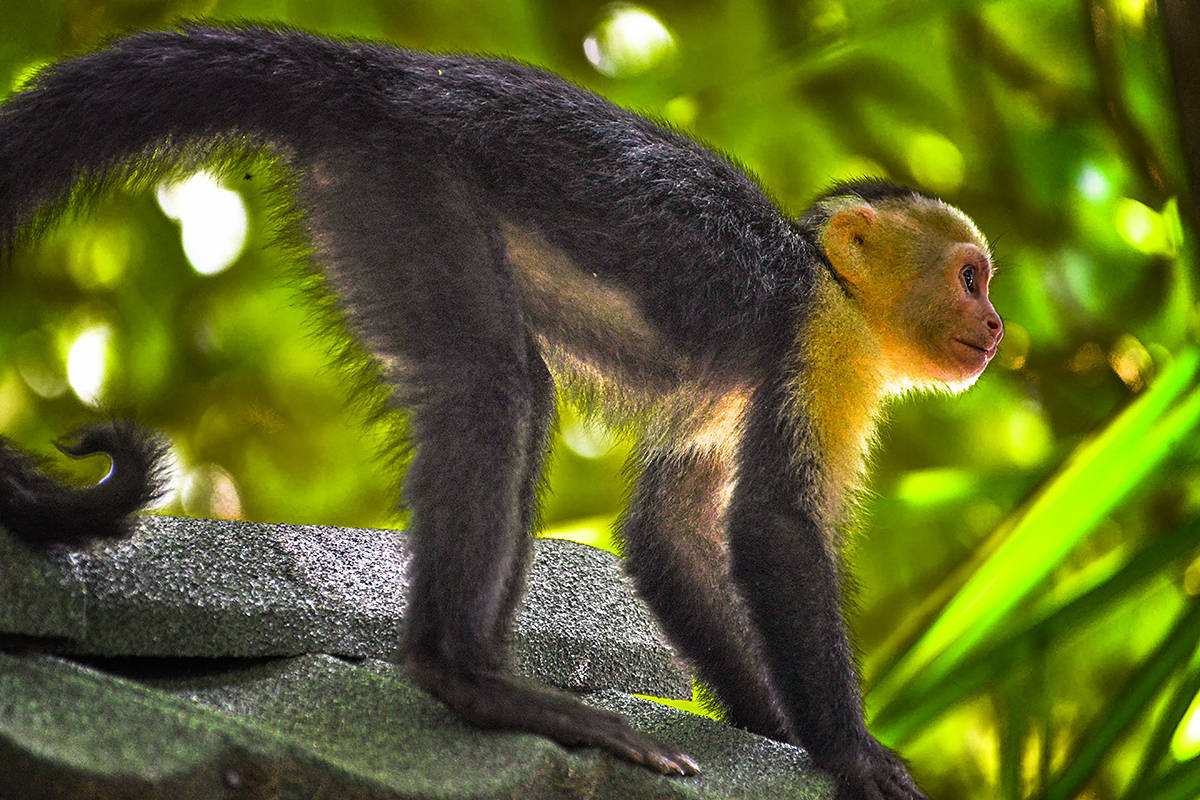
1132,140
981,47
1181,20
981,42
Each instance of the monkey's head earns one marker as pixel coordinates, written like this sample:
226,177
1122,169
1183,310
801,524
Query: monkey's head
918,270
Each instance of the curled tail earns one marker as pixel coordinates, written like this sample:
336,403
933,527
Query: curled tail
41,510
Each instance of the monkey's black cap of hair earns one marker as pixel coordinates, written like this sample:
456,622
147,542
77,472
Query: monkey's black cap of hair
871,190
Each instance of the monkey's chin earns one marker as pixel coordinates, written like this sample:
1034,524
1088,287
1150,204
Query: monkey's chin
962,384
962,365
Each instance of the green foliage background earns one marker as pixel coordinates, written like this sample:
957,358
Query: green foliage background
1029,556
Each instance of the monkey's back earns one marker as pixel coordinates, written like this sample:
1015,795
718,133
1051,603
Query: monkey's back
629,200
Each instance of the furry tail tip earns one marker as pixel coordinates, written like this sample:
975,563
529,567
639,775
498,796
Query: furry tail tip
42,511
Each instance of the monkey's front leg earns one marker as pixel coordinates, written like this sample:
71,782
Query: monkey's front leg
782,565
672,541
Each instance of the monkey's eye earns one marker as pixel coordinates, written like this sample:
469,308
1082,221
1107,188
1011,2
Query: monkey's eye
968,278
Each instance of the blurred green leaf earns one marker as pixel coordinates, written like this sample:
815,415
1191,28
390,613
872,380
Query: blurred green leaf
1132,701
1157,751
994,659
1090,483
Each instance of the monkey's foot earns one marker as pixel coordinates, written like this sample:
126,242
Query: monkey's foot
876,774
501,702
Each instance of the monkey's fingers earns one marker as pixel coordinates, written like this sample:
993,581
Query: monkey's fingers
651,753
498,701
875,773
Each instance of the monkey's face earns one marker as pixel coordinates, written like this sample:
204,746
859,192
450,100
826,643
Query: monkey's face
919,272
953,328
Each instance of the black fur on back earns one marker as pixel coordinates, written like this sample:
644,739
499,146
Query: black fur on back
157,104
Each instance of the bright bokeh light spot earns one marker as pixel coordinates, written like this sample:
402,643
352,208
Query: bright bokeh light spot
1088,358
1014,350
682,111
936,162
98,262
829,17
39,363
87,363
1191,579
1143,227
1093,184
1030,438
1133,12
932,486
210,491
212,218
628,41
1131,361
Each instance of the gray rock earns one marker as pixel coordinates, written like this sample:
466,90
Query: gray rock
316,725
217,588
203,663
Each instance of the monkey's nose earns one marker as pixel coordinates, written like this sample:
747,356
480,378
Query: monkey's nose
996,327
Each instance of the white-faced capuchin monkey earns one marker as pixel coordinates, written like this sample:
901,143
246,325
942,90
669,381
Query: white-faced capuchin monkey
490,232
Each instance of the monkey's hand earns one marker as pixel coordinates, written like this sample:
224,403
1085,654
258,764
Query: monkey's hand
875,773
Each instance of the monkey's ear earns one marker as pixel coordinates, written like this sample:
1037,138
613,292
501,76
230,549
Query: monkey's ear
845,240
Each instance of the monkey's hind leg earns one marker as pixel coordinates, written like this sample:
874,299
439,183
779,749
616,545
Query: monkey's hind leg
532,483
471,486
425,280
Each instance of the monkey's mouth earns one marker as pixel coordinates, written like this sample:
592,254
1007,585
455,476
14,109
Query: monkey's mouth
987,350
975,356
